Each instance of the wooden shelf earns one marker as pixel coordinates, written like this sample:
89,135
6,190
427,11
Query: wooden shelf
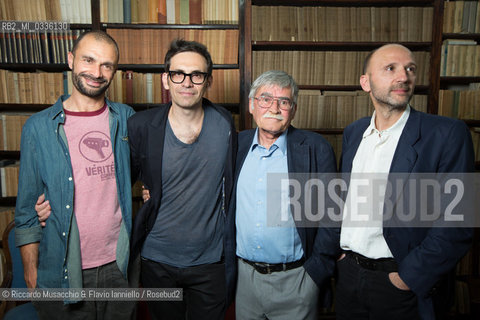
420,89
158,68
8,201
472,123
342,3
106,25
463,36
458,80
14,155
331,46
32,67
20,107
51,67
79,26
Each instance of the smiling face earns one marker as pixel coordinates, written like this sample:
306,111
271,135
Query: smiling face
187,94
93,66
272,121
390,77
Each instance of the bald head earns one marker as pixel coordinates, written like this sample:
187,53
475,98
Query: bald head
383,49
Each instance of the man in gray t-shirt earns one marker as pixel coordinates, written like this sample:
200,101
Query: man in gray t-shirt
183,152
191,204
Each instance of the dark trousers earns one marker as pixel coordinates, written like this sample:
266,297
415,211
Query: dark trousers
106,276
369,294
204,290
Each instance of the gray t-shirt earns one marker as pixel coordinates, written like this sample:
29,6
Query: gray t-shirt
189,227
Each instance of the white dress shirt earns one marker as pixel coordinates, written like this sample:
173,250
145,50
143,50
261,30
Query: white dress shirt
362,226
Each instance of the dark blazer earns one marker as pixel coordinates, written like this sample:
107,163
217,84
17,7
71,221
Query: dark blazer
425,256
146,132
307,152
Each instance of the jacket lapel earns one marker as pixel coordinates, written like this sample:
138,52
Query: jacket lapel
297,152
156,138
405,155
404,160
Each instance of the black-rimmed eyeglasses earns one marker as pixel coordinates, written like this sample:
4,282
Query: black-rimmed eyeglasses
195,77
266,102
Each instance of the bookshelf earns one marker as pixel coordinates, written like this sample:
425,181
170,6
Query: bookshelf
461,32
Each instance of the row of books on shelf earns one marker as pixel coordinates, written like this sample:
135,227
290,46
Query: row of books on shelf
73,11
9,170
337,109
132,87
38,87
460,58
462,104
11,125
169,11
7,215
461,17
37,47
325,67
149,46
281,23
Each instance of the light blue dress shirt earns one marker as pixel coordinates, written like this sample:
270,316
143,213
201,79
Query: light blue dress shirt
256,240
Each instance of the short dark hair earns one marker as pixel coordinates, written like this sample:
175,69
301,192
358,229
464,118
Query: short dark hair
99,35
181,45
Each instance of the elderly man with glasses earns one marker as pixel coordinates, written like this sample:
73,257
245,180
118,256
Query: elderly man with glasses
183,152
280,269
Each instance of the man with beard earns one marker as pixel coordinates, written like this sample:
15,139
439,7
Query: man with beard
387,272
77,154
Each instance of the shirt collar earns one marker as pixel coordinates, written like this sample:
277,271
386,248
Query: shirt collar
396,126
280,143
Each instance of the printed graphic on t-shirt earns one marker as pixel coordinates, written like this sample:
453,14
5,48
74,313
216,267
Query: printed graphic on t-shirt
95,147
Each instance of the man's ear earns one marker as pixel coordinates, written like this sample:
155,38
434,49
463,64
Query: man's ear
209,82
165,81
365,83
70,60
